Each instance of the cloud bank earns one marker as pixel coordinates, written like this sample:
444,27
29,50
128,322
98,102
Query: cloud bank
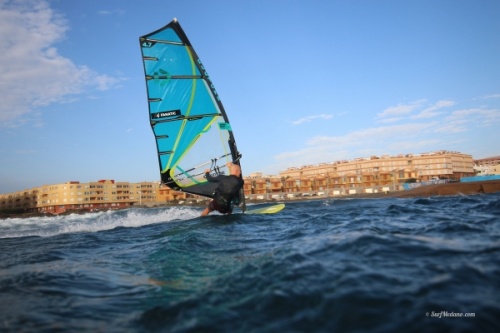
33,73
413,127
310,118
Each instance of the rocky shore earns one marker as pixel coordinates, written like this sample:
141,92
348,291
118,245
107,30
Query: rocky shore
483,187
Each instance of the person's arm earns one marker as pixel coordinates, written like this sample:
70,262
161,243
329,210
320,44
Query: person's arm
209,177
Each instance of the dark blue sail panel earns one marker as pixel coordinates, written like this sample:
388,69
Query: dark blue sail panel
191,128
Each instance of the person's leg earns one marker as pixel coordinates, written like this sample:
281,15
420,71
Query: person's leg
226,210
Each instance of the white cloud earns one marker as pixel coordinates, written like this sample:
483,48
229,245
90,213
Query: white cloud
476,116
33,72
451,127
411,110
400,109
431,111
391,120
468,119
371,136
370,141
413,146
492,96
310,118
111,12
415,133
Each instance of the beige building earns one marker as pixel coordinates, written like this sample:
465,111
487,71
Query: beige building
423,166
487,166
100,195
495,170
368,175
493,160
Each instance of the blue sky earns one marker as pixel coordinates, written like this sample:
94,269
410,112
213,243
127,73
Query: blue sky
303,82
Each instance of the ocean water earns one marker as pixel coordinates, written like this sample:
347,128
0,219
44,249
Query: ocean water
336,265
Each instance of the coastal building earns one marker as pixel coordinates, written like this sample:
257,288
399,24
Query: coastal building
399,168
248,186
166,194
425,166
487,166
361,175
260,186
368,175
99,195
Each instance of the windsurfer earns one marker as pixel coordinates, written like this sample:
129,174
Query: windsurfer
227,190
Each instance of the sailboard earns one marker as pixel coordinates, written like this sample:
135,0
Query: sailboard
189,123
267,210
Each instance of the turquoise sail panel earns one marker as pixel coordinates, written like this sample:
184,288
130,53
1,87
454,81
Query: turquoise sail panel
190,126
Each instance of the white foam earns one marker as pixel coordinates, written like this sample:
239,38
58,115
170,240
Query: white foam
92,222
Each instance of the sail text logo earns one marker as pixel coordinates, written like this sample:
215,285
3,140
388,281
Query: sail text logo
165,114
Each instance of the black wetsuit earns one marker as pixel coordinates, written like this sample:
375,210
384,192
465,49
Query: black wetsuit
228,189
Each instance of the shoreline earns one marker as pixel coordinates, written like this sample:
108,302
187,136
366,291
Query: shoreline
481,187
449,189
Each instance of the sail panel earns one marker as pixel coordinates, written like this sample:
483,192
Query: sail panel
191,128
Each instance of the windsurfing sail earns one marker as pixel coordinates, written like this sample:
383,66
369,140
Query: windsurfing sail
191,128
